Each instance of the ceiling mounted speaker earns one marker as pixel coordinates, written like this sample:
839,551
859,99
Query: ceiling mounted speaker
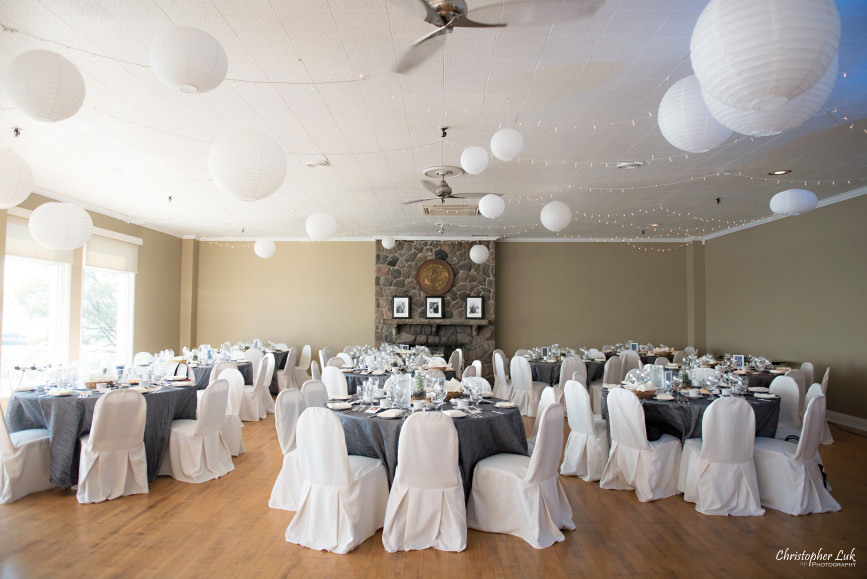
60,226
556,216
188,59
264,248
685,120
247,164
16,179
44,85
793,202
321,226
388,242
759,54
492,206
474,160
479,254
507,144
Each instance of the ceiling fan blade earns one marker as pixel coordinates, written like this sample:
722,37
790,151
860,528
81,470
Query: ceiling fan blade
418,201
469,195
429,186
421,50
420,9
534,12
464,22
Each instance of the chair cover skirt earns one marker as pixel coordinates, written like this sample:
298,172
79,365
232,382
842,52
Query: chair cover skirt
26,468
792,487
288,486
195,459
585,454
110,474
718,488
651,473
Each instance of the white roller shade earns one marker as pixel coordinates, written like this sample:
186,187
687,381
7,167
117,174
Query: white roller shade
21,244
110,253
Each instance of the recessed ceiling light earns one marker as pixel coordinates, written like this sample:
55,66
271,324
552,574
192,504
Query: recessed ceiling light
654,225
629,164
112,170
780,172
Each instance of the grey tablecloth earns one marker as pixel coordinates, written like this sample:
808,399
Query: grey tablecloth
69,417
356,379
549,372
478,438
203,374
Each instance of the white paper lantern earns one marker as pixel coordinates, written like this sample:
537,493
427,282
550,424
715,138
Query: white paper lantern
44,85
321,226
785,117
474,160
188,59
479,253
16,180
556,215
685,121
60,226
507,144
758,54
264,248
388,242
793,202
247,164
492,206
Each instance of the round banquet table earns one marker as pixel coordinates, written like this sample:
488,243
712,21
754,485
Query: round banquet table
549,372
354,379
203,374
68,418
497,431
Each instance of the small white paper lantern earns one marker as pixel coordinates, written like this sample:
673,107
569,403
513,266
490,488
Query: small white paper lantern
793,202
247,164
60,226
16,179
758,54
479,254
492,206
474,160
388,242
44,85
188,59
507,144
685,120
264,248
321,226
785,117
556,215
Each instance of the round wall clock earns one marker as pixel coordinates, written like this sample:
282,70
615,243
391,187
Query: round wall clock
434,277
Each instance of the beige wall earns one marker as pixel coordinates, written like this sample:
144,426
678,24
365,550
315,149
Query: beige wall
320,294
795,289
589,294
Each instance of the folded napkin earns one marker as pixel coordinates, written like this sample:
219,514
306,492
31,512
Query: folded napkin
59,392
139,389
340,397
758,389
454,413
378,372
664,397
643,387
454,386
765,396
505,405
339,405
393,413
610,386
24,388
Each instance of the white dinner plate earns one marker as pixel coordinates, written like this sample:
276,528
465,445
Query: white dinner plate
391,414
454,413
340,397
339,405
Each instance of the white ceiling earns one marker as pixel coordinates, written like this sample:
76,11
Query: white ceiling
316,75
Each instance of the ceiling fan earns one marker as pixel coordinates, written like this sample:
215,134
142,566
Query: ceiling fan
443,190
448,14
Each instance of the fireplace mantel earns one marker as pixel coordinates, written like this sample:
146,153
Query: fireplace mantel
474,324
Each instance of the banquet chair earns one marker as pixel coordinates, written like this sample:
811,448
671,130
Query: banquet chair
267,402
548,397
456,361
143,359
281,346
347,359
343,499
287,488
587,446
219,367
469,371
801,380
113,461
525,392
522,496
502,385
254,356
286,376
788,423
826,434
503,354
232,424
809,376
479,382
335,361
629,360
325,354
315,394
607,348
426,503
335,382
251,403
661,361
815,390
717,471
689,351
24,462
197,451
650,468
679,355
437,361
479,367
610,377
348,349
522,352
315,373
789,476
595,354
182,369
301,373
568,368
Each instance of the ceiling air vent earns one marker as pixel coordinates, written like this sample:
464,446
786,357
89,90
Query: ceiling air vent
629,164
450,210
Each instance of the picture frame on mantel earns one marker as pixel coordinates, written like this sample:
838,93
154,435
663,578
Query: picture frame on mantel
400,307
433,307
475,310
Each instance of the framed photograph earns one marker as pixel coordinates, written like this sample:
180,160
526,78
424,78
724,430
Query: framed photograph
400,307
544,351
633,346
433,307
737,360
474,308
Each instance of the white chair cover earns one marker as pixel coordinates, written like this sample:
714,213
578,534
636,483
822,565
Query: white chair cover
629,359
661,361
787,389
502,385
801,380
610,377
335,361
315,394
197,451
143,359
456,361
219,367
469,372
347,359
343,499
789,477
634,463
689,351
525,392
335,382
809,377
587,446
815,390
287,488
24,463
478,381
325,354
679,355
548,397
568,367
717,471
479,368
266,401
348,349
522,352
436,361
254,356
232,424
301,373
426,503
251,403
505,359
523,496
281,346
113,461
286,376
595,354
315,373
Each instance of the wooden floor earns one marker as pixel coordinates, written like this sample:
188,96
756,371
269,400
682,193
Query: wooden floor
224,528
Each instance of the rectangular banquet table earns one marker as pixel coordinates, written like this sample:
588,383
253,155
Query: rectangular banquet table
68,418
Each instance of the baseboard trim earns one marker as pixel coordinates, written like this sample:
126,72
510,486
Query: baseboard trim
846,420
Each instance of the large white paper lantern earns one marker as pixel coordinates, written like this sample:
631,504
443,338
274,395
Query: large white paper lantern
16,179
492,206
44,85
247,164
388,242
264,248
474,160
556,215
507,144
321,226
188,59
60,226
793,202
479,254
685,120
785,117
758,54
